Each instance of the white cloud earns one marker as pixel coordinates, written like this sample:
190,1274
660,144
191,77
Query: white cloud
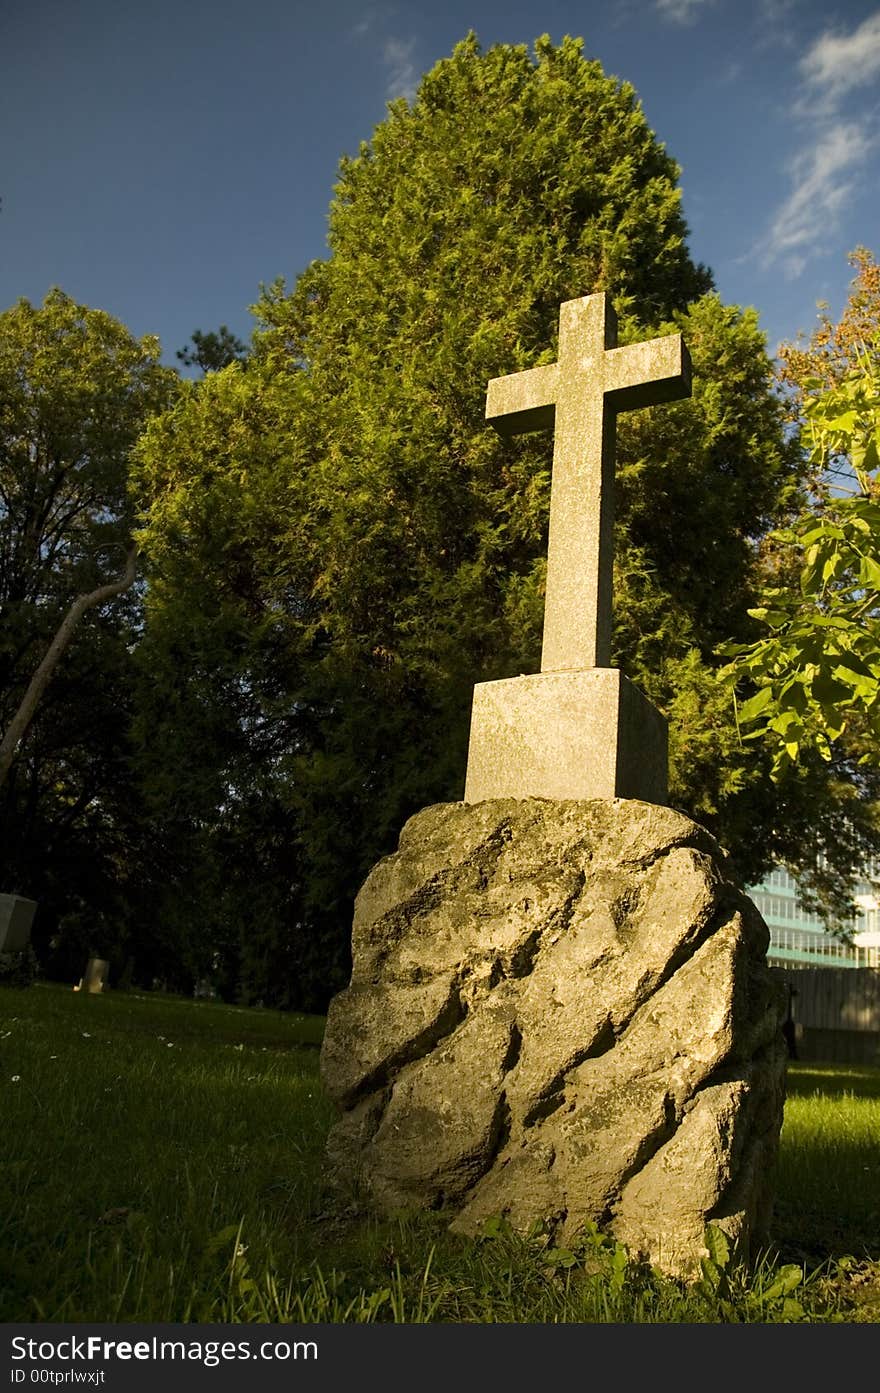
772,26
825,175
824,178
397,55
772,11
837,62
372,18
681,11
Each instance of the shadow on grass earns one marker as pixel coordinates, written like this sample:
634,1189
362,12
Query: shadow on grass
835,1080
138,1013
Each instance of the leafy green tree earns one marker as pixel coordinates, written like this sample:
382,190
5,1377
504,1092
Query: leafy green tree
392,547
75,391
817,669
833,350
808,674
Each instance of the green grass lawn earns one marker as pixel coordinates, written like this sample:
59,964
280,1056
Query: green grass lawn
163,1161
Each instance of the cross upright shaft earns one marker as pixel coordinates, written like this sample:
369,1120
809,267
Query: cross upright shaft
580,395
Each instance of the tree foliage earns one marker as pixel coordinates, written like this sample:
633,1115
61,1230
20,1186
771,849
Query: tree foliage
809,676
75,391
219,720
817,670
833,349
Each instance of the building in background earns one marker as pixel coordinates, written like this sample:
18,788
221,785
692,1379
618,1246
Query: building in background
799,939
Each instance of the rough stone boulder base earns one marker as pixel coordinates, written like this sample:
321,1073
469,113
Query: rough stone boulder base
560,1011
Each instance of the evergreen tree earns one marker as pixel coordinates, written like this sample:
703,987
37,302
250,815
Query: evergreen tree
212,351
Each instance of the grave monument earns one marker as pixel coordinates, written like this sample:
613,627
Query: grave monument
579,728
16,918
560,1007
94,979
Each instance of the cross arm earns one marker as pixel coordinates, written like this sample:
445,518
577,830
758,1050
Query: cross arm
647,374
523,401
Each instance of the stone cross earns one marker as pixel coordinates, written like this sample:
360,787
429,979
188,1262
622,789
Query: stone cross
580,395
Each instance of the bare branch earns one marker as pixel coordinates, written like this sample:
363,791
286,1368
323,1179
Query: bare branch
40,680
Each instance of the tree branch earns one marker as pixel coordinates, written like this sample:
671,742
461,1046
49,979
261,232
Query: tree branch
40,680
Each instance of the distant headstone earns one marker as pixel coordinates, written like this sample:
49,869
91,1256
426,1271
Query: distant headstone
94,977
16,918
579,728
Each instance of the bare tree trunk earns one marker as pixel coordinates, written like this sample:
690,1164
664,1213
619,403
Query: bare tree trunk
40,680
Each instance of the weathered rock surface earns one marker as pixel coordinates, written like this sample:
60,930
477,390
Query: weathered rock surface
560,1010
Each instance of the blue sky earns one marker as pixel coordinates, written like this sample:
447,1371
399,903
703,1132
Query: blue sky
160,160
